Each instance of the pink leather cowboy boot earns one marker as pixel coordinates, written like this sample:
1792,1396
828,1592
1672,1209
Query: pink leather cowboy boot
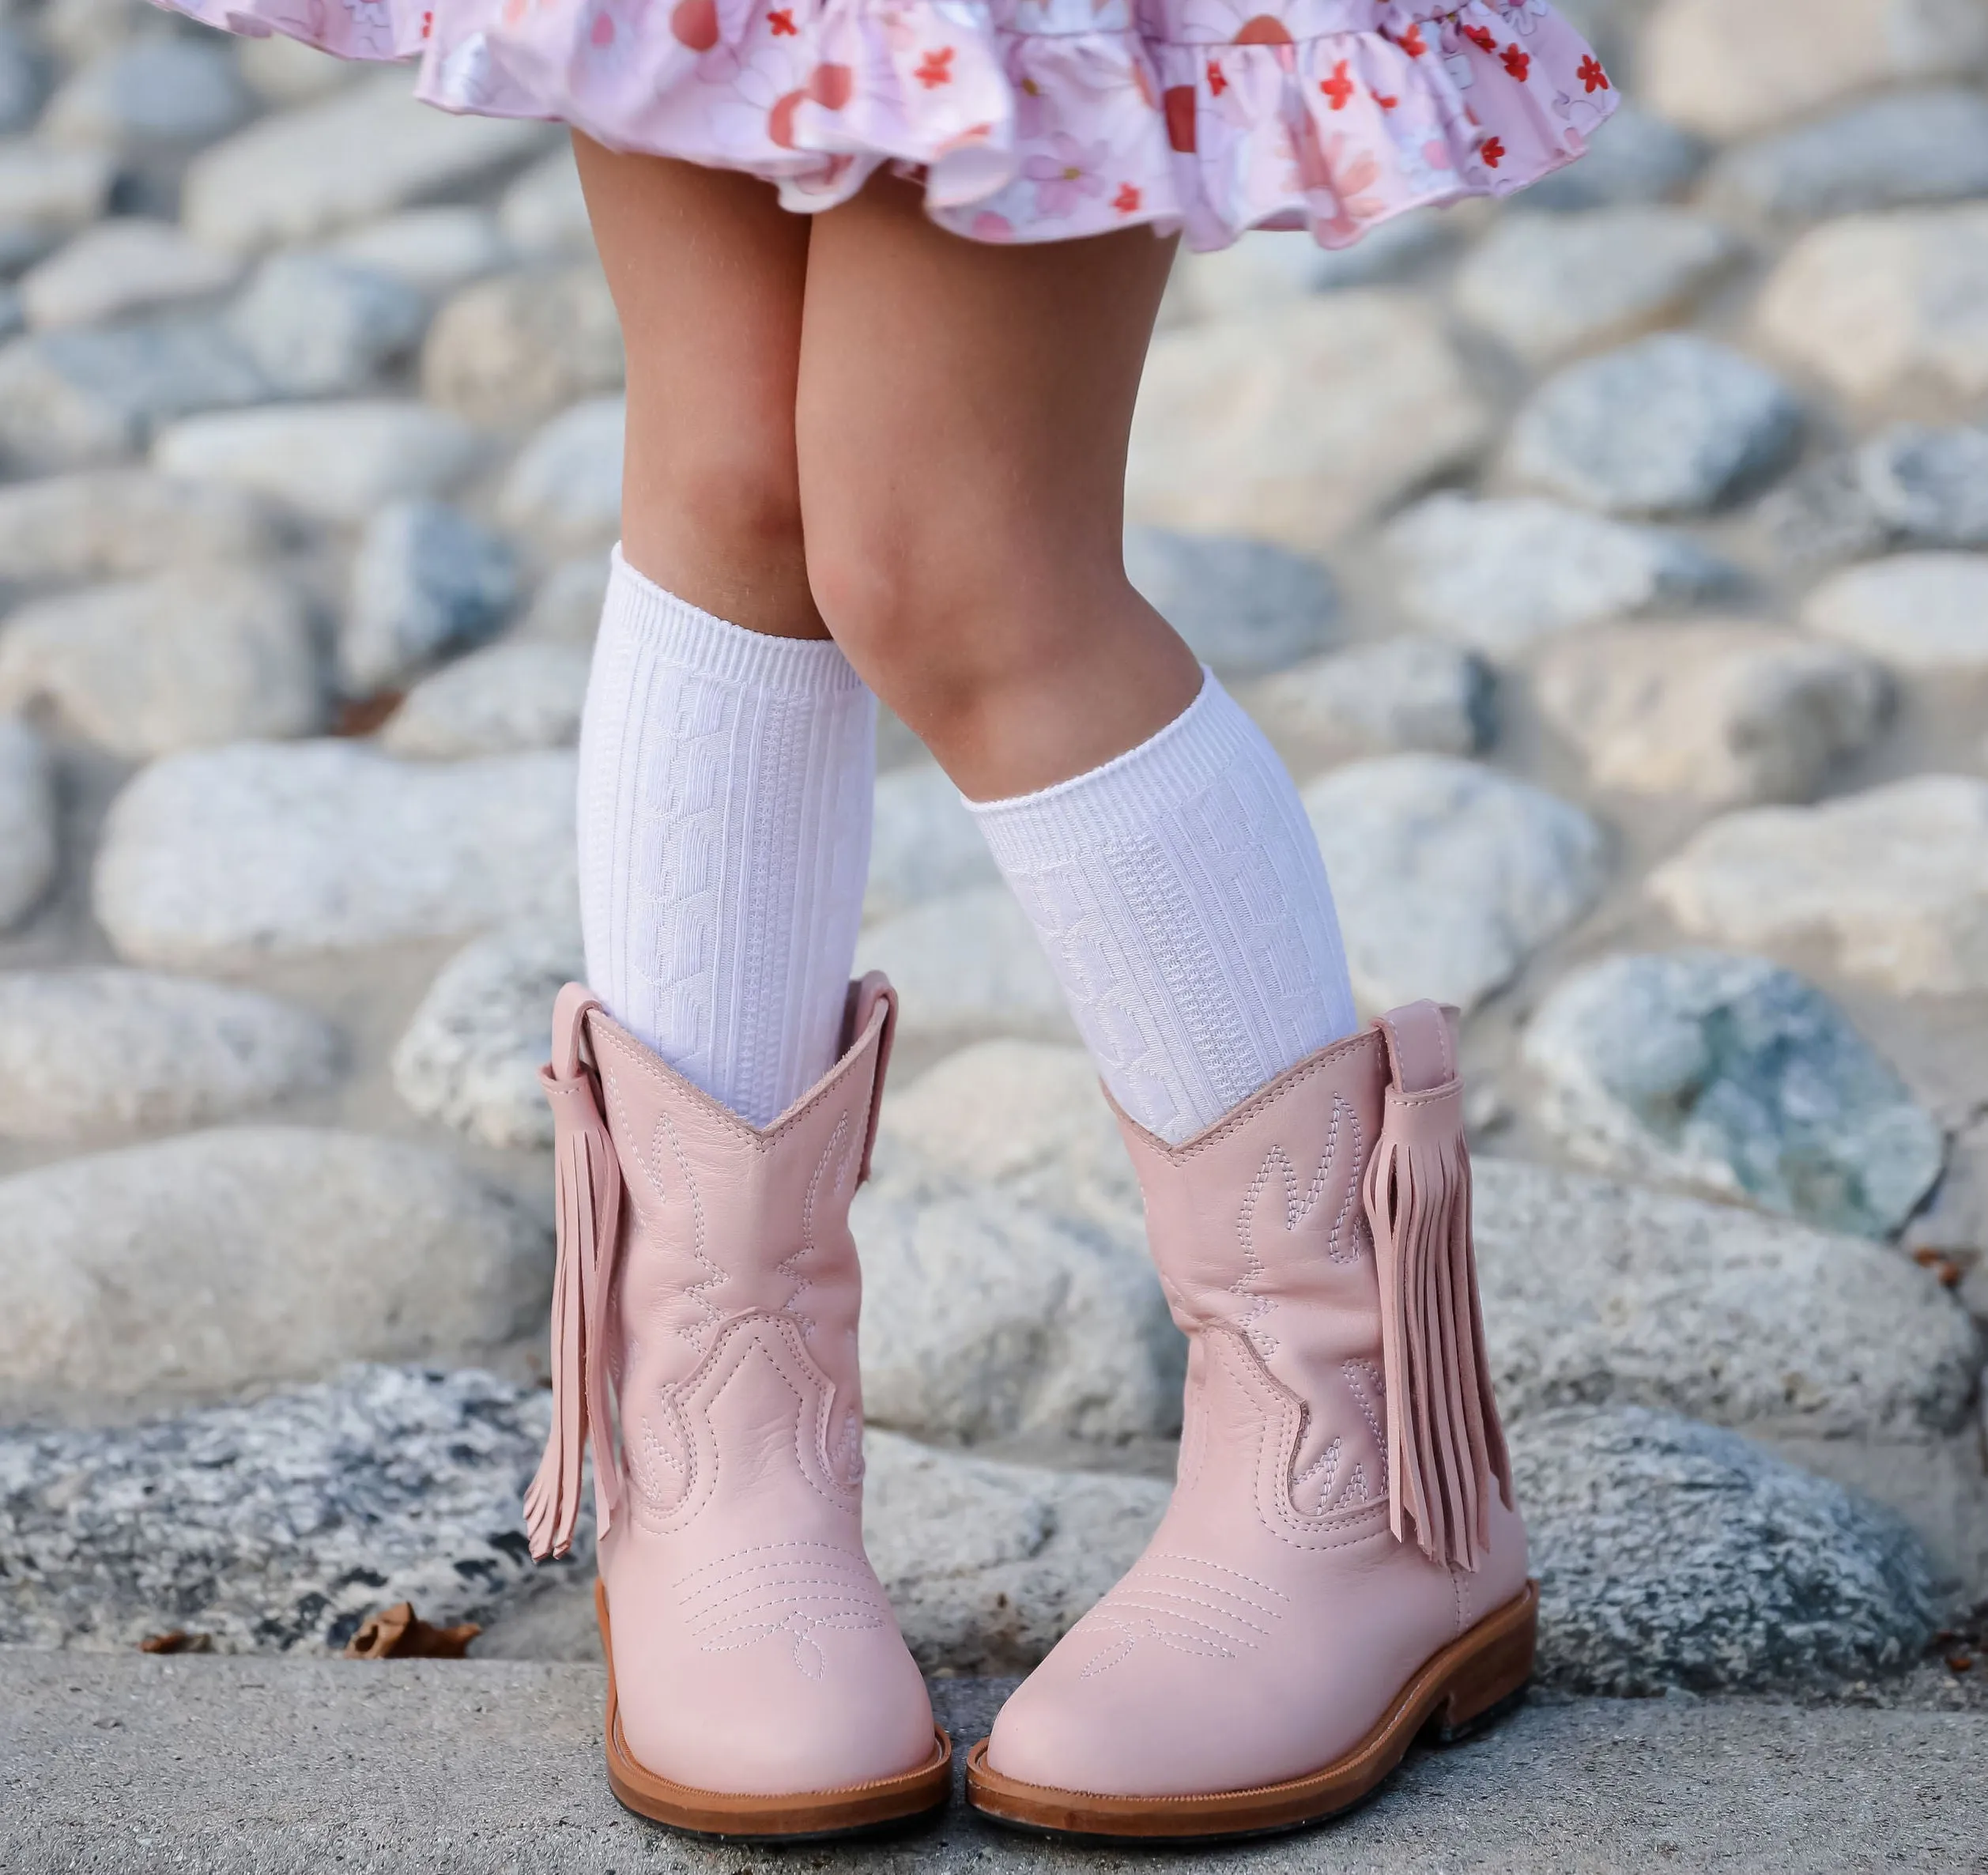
757,1683
1341,1563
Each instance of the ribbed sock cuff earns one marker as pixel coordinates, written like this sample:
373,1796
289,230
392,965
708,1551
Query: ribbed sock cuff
1029,833
682,634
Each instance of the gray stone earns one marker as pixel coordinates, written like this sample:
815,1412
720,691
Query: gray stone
70,399
335,462
986,1317
89,1052
565,486
1302,422
989,1565
1821,515
543,213
317,326
435,250
1728,75
1891,883
1600,1294
1633,157
1263,270
1244,606
1877,305
28,851
151,96
122,266
1497,575
1928,486
518,348
287,71
1671,1554
1925,613
1672,425
496,701
177,660
470,1054
219,857
363,152
1402,693
1724,713
113,523
1446,875
46,194
20,82
427,581
1883,153
969,961
1548,284
1735,1077
566,609
81,29
924,843
277,1527
200,1264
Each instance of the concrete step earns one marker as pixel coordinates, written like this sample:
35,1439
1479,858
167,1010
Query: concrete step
259,1766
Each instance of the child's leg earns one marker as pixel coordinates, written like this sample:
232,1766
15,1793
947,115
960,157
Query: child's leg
726,755
963,419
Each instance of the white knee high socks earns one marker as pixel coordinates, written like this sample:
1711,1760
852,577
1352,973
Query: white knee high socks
725,787
1180,893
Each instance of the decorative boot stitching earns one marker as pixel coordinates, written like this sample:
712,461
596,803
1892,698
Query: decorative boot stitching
798,1588
1340,1248
1187,1606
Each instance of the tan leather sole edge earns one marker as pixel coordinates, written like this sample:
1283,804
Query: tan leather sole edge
804,1814
1467,1681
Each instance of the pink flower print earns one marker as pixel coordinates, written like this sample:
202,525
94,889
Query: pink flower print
988,226
1066,176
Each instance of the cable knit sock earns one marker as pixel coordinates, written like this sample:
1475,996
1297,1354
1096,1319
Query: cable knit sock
1180,895
725,787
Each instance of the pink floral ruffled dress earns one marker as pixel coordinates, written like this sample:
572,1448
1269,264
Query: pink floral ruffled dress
1030,120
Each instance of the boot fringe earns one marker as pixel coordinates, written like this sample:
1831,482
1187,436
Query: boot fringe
1445,1444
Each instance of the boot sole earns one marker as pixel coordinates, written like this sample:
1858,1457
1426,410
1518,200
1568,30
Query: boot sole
1468,1684
805,1816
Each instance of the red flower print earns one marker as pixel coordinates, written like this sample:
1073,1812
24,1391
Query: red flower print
1386,104
1339,88
1590,72
1217,79
428,25
781,19
1481,38
1126,200
1411,41
1517,63
1492,151
936,69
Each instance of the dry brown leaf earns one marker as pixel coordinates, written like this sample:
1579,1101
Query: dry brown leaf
397,1633
178,1641
363,715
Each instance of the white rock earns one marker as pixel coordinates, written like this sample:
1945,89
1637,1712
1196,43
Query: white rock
153,94
219,857
434,250
362,152
1548,284
1400,694
544,214
1632,157
1725,715
200,1264
968,961
565,486
93,1051
566,609
336,462
1245,607
504,698
1446,875
27,847
1875,304
520,348
470,1054
47,193
1922,613
318,326
1499,575
1260,270
1725,73
989,1565
122,266
175,661
1298,424
426,581
286,71
1891,883
924,843
21,81
79,29
112,524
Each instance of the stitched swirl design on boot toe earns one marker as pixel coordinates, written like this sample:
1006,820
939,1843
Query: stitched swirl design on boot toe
796,1589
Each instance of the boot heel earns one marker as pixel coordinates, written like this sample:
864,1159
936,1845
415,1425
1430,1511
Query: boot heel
1491,1680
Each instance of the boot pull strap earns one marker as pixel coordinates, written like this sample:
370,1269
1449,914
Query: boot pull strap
575,1003
864,997
1421,1038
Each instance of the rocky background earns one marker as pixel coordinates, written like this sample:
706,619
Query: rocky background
1612,568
